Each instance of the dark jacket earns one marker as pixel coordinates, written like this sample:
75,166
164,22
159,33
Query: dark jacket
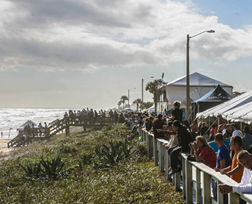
178,114
185,138
158,124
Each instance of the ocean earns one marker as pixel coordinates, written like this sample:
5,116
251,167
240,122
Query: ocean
13,118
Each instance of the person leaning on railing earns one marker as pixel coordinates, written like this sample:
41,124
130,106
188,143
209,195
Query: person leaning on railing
203,152
158,126
173,141
185,138
245,186
235,171
223,160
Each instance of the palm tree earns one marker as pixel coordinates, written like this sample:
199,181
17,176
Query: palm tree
137,101
119,104
123,99
152,87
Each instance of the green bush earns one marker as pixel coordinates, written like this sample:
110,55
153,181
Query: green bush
86,159
45,168
110,154
126,181
53,169
32,170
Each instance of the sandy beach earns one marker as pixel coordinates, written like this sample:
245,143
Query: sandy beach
4,150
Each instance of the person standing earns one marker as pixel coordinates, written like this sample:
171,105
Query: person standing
150,124
33,130
23,138
223,157
227,132
27,129
40,129
203,130
194,129
236,130
158,126
235,170
223,161
213,132
245,186
247,139
176,113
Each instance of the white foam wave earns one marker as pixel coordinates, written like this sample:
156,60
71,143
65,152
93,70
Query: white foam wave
13,118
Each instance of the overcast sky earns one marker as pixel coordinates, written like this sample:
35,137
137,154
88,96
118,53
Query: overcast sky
79,53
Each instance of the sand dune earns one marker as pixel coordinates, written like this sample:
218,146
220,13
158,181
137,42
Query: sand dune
4,150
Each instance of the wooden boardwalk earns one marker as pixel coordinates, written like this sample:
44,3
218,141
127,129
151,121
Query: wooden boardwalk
63,125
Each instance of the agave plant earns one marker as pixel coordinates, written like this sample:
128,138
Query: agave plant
86,159
109,154
53,169
32,170
114,152
127,148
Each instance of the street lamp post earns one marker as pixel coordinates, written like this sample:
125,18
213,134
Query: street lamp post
143,86
129,97
188,99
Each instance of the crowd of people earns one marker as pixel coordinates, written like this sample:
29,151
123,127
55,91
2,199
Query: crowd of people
74,116
30,131
233,147
92,115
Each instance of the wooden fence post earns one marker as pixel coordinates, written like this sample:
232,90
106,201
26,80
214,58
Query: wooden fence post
184,161
206,188
219,195
189,183
233,198
155,151
177,181
198,187
161,156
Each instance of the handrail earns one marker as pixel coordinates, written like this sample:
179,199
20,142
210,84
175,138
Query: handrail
203,190
60,124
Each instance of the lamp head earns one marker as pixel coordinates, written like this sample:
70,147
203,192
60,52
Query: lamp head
211,31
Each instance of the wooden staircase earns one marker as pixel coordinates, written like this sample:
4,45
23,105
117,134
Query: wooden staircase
56,126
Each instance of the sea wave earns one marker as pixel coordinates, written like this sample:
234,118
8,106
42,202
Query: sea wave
13,118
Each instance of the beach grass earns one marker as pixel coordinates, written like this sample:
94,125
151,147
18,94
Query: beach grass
84,168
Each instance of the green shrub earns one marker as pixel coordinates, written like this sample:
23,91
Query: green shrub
87,159
32,170
110,154
114,152
66,148
53,169
141,149
45,168
129,181
127,148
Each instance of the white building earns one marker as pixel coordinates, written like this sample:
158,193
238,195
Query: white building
199,86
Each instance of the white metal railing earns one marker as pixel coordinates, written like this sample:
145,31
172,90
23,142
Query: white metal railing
192,172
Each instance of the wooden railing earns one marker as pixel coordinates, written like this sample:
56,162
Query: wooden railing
192,173
58,125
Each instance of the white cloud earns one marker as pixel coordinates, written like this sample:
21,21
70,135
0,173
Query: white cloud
96,34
